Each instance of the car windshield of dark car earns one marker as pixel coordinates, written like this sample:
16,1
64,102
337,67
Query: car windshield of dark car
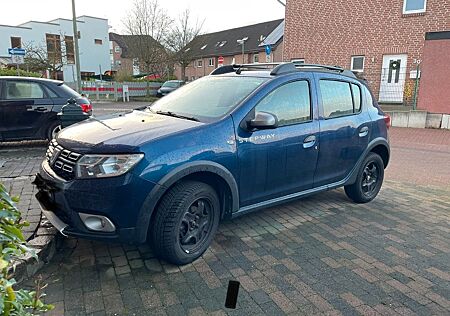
170,84
208,98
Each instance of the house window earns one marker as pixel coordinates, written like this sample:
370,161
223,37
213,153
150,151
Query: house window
98,41
16,42
199,63
298,61
53,48
70,54
357,63
192,78
414,6
211,62
117,49
256,58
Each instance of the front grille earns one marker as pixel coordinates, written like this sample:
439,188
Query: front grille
61,160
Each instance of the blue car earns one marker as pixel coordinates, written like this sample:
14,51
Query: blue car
244,138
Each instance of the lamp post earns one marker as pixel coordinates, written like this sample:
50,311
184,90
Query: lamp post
77,51
242,42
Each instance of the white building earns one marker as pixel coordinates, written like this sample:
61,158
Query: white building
56,36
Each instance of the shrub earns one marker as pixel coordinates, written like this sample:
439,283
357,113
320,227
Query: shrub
22,73
12,246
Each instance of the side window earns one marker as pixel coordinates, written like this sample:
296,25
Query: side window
336,98
356,90
23,90
291,103
51,93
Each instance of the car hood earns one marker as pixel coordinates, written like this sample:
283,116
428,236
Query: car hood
121,132
166,89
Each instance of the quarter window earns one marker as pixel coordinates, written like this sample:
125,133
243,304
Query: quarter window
291,103
357,63
336,98
414,6
23,90
356,90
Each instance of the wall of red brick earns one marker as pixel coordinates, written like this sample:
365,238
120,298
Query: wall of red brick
126,64
434,93
331,31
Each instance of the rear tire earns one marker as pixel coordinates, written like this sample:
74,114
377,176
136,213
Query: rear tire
185,222
369,180
53,130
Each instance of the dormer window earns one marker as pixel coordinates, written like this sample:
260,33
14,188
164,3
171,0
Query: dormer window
222,43
414,6
203,47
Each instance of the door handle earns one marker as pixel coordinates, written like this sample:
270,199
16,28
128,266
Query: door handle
309,141
363,131
37,109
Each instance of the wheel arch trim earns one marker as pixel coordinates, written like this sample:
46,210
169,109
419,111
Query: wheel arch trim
161,187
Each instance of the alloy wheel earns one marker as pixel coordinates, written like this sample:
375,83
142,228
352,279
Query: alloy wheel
195,225
370,178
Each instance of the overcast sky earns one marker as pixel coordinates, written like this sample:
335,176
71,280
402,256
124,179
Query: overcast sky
218,15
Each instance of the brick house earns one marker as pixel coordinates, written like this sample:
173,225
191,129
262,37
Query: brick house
123,59
382,39
206,49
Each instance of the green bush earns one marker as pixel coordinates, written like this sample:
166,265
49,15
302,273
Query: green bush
22,73
12,246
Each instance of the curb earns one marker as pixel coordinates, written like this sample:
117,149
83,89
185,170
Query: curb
44,243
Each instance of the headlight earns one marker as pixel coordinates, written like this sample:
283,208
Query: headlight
100,166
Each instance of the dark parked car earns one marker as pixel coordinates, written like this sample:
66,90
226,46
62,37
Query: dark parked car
241,139
169,86
29,107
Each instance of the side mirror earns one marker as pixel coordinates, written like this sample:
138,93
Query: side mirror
263,120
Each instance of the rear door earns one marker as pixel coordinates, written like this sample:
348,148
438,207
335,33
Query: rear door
344,127
26,107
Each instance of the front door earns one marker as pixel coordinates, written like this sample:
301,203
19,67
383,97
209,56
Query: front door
393,77
279,161
25,107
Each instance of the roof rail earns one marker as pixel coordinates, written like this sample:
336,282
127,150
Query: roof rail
239,67
279,68
341,70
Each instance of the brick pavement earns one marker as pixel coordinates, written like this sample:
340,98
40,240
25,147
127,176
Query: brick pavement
320,255
19,162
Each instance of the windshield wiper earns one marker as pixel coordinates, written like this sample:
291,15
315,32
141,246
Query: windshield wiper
169,113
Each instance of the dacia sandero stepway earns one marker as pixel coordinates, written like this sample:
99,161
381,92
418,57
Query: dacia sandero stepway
243,138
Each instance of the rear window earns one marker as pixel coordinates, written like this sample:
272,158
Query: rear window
69,91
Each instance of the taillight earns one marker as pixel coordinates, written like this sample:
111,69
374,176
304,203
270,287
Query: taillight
86,107
387,120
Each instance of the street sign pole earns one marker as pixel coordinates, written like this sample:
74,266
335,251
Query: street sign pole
77,52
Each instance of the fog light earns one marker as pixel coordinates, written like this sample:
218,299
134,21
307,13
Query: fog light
97,223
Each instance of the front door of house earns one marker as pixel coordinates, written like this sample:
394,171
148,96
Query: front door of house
393,77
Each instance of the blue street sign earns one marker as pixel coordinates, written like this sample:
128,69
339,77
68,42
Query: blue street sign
268,49
16,51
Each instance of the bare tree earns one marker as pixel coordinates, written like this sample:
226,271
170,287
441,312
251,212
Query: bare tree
148,23
51,56
184,30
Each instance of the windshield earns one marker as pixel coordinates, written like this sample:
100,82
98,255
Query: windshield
209,97
170,84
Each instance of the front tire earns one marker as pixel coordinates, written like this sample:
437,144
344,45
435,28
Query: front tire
185,222
369,180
